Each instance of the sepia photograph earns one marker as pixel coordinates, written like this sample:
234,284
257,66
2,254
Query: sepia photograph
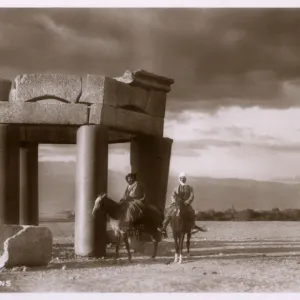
149,150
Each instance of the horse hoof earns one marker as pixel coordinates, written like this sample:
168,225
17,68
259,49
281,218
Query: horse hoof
153,258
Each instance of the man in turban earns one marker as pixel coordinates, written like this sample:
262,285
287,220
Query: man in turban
186,193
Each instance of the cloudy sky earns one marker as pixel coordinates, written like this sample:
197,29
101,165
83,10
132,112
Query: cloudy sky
234,110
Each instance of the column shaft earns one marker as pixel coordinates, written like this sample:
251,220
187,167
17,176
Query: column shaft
150,159
91,179
29,204
9,174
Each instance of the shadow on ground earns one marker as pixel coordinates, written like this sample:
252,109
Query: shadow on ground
64,255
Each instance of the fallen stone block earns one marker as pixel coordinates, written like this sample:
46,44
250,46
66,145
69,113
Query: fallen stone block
29,246
35,113
7,231
31,87
5,86
126,120
105,90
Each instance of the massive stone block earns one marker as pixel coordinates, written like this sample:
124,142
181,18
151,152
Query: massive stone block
126,120
105,90
56,134
5,86
7,231
31,87
146,80
25,246
35,113
156,104
48,134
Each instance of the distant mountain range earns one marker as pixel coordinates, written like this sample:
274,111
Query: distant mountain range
57,191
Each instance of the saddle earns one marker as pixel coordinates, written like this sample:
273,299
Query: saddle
185,210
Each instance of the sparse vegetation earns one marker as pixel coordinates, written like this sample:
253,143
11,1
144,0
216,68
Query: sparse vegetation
249,215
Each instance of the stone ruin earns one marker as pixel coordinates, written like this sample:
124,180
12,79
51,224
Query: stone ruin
91,112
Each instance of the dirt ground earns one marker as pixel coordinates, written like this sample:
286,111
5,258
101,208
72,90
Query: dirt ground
219,263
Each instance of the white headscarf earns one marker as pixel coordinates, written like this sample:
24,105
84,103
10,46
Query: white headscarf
181,174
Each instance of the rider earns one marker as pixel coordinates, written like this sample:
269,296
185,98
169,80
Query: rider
186,193
134,194
134,191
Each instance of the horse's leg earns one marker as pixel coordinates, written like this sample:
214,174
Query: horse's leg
155,238
188,239
176,241
181,242
118,241
127,246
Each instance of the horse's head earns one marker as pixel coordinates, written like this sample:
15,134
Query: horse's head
99,202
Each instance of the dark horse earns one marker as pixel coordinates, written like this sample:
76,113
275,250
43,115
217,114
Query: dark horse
119,214
181,224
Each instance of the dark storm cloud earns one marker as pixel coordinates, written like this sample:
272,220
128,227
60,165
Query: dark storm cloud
218,57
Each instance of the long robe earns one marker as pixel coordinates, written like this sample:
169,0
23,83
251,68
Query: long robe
135,197
185,193
134,191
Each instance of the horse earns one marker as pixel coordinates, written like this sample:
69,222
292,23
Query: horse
181,225
119,213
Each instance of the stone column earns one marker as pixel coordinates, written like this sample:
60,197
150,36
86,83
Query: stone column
150,159
9,174
29,202
91,179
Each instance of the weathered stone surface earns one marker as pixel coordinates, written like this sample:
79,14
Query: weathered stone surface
105,90
35,113
31,246
126,120
48,134
5,86
30,87
156,104
55,134
118,137
7,231
146,80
